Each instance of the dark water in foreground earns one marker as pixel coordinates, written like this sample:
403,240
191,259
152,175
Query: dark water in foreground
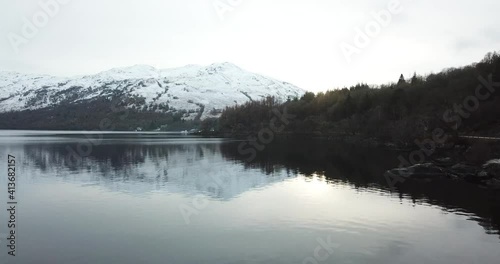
172,199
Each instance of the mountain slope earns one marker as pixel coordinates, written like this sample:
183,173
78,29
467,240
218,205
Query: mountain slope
197,92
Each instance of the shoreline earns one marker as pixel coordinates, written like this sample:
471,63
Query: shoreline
468,159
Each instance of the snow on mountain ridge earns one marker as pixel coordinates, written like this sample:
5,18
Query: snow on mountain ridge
197,90
142,71
133,72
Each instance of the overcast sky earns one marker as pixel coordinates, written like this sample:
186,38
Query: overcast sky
304,42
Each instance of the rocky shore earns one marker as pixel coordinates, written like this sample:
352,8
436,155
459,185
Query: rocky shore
487,174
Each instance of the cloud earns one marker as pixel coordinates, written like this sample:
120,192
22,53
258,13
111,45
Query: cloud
293,40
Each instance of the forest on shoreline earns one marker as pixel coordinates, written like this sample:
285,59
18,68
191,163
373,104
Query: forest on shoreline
456,101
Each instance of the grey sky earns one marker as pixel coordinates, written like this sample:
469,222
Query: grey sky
298,41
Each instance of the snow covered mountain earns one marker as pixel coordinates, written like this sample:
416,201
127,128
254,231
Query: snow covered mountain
196,91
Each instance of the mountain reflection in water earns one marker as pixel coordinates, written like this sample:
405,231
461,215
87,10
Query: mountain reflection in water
290,188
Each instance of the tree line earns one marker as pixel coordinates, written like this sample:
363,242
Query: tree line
398,112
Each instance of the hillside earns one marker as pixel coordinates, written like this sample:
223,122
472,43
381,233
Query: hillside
186,94
455,101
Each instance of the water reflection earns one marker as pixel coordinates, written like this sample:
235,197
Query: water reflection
271,210
149,166
192,165
364,167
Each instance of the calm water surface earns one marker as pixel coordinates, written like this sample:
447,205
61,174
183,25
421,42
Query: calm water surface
171,199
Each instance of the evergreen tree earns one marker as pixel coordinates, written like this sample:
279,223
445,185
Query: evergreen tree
401,80
414,79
